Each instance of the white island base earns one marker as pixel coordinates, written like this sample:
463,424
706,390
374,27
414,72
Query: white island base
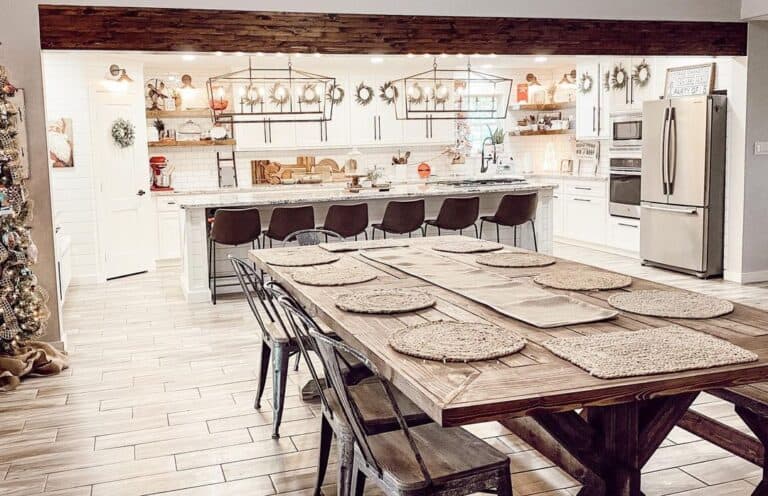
195,208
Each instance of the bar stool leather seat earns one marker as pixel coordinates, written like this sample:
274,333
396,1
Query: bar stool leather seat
347,220
457,214
513,211
231,227
287,220
401,217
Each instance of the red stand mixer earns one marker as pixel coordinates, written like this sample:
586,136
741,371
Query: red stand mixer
161,173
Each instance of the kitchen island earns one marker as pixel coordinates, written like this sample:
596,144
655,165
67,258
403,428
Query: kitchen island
195,210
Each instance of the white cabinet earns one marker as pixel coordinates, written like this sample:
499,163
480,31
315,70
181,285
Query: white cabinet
624,234
430,131
592,108
375,123
558,221
334,132
168,229
584,209
256,136
632,95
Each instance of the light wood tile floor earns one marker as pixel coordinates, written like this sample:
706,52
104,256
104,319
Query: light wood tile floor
159,400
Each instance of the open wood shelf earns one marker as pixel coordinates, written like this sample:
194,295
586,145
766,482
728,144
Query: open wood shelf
544,133
178,114
163,144
543,106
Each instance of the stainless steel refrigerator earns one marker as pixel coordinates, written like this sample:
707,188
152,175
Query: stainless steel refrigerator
683,184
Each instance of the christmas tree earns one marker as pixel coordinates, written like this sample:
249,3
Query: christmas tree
23,310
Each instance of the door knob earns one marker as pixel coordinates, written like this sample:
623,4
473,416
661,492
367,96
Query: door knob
141,192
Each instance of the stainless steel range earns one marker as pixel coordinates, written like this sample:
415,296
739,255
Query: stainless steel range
624,187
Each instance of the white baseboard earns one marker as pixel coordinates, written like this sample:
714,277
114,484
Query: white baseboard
746,277
598,247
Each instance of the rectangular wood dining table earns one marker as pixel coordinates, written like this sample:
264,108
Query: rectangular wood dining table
600,431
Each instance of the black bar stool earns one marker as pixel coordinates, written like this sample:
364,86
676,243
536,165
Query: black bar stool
231,227
347,220
401,217
287,220
456,214
513,211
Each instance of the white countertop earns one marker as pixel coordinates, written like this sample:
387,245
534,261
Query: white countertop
316,193
560,175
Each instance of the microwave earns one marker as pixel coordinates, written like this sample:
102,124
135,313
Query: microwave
627,130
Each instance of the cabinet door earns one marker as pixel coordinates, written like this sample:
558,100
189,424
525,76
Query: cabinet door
587,106
619,98
281,135
558,222
442,131
250,136
363,121
390,129
168,235
415,131
603,100
585,219
624,234
640,93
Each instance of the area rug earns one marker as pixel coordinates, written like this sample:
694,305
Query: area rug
515,259
384,301
450,341
650,351
467,246
297,257
671,304
32,358
583,280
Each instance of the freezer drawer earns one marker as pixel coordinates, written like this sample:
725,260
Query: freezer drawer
674,236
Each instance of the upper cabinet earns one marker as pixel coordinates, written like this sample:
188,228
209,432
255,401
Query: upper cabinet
334,132
632,80
372,120
592,100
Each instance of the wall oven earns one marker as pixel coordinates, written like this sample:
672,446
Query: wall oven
624,187
627,131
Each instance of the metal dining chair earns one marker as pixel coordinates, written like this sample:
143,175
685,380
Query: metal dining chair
513,211
277,345
411,460
375,411
456,214
310,237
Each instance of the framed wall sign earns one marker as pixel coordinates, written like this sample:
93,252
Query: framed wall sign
689,80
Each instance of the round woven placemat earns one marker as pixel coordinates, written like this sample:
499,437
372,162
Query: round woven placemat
515,259
467,246
671,304
583,280
337,274
384,301
456,341
299,257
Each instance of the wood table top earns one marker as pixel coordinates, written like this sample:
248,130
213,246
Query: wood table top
533,380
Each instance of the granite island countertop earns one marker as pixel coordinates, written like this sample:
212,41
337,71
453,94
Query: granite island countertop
281,195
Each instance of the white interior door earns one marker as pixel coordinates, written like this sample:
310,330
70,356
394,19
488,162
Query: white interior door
124,189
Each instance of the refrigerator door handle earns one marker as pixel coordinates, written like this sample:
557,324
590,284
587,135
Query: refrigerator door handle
672,162
664,151
686,211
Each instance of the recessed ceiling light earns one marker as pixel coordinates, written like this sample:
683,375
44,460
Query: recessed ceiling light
188,57
219,53
443,55
239,54
460,55
279,54
540,59
410,55
377,60
259,54
493,55
317,55
426,55
299,55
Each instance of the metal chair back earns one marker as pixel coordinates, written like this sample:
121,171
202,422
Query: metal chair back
311,237
331,356
252,284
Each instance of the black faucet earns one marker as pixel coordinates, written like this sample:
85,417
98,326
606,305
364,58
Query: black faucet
484,160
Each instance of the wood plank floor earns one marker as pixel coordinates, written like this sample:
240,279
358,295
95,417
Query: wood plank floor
159,399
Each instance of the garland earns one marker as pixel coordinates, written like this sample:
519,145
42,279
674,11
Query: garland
123,132
388,93
585,83
363,94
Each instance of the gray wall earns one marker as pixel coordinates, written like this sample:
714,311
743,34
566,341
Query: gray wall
755,238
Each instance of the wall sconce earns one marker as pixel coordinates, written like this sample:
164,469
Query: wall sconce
531,79
186,82
569,79
120,74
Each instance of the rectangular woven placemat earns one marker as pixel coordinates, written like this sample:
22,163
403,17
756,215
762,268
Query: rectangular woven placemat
650,351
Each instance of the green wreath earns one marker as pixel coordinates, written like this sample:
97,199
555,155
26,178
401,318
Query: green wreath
641,73
619,77
388,93
363,94
585,83
123,133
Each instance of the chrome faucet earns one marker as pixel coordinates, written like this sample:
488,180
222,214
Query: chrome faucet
484,160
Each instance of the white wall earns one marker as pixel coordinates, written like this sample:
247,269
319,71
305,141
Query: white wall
69,80
751,9
694,10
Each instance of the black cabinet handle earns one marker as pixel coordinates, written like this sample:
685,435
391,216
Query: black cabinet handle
375,136
379,128
582,200
582,188
594,120
628,225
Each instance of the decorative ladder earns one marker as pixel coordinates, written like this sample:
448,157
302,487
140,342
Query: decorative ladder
220,160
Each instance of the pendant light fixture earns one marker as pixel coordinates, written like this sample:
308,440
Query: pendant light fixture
260,95
451,94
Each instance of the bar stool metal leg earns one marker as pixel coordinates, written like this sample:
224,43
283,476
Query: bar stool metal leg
482,223
213,268
477,234
498,238
533,229
514,236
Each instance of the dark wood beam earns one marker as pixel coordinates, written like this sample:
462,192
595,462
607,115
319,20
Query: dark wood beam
127,28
